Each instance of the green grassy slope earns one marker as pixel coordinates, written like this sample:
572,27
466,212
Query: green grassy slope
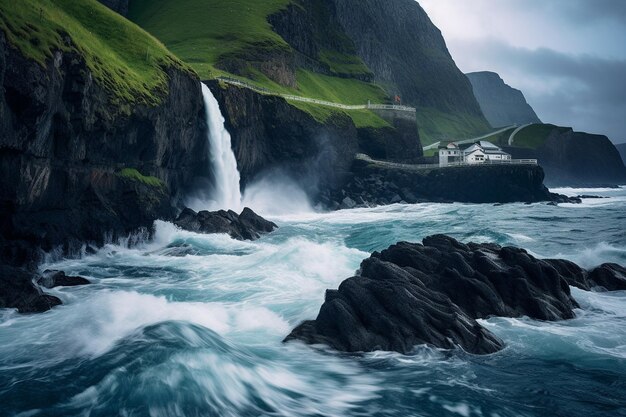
200,32
124,59
207,33
435,125
534,136
204,32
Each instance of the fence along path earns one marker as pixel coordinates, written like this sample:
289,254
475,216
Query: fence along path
368,106
420,167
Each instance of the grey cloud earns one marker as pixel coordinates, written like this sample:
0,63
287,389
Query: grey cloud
590,92
577,11
588,11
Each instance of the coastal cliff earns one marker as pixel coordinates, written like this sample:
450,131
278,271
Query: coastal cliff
570,158
64,148
621,148
501,104
379,183
87,155
401,49
269,133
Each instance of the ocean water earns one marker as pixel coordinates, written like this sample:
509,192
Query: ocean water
192,325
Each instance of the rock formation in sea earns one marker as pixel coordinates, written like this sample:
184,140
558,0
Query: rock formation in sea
501,104
432,293
245,226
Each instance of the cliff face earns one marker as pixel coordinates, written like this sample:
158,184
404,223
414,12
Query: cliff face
621,148
405,50
374,183
576,159
268,133
501,104
400,48
63,146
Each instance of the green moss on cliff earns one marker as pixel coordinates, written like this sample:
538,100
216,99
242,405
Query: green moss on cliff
200,32
124,59
134,175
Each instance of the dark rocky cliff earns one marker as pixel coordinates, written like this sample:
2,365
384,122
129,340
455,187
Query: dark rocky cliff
404,49
63,145
621,148
401,50
373,183
268,133
576,159
501,104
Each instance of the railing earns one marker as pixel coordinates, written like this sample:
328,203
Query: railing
471,140
265,91
416,167
496,162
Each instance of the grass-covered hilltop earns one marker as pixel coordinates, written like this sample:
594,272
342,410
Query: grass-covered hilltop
122,57
101,127
348,52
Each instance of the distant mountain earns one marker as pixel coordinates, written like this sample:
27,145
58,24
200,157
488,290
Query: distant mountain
501,104
622,151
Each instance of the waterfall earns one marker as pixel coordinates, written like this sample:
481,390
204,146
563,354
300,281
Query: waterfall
226,194
269,194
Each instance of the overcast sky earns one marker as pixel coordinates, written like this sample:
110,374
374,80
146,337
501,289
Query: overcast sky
567,56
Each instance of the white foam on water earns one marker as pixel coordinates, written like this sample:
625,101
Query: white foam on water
596,336
94,325
272,194
573,192
595,255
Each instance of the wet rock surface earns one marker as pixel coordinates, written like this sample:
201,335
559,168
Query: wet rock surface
18,291
245,226
374,183
606,277
52,279
432,293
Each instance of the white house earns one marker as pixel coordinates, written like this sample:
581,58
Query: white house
475,153
449,154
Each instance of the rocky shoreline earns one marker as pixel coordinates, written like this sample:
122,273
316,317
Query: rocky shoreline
433,293
371,184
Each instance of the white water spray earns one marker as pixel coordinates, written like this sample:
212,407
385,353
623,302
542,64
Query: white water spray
268,195
227,194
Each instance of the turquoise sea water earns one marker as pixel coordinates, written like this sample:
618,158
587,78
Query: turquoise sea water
191,325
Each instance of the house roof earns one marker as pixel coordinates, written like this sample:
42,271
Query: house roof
487,148
448,145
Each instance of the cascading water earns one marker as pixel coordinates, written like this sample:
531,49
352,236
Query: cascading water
271,194
226,194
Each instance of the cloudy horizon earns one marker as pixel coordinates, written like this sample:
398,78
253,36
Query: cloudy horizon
567,56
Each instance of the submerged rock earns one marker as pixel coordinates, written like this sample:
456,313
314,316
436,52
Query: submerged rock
51,279
431,293
245,226
18,291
